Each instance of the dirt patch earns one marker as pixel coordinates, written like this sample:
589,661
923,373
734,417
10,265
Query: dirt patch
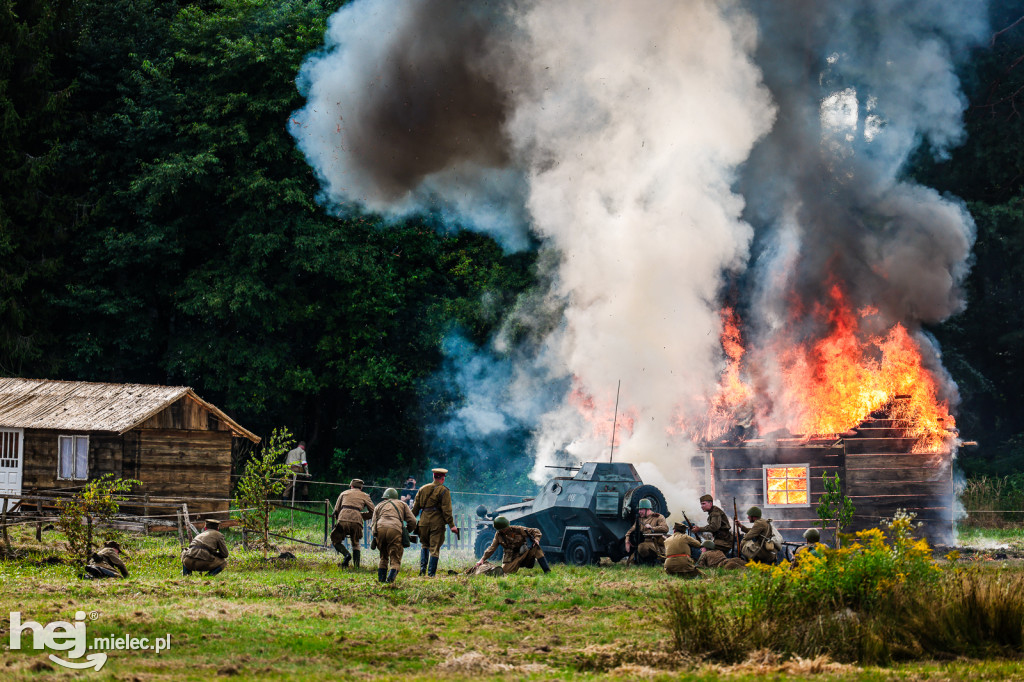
764,662
617,656
476,663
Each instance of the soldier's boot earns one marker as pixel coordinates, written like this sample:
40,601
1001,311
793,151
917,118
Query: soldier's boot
432,567
186,571
343,550
543,563
424,555
355,557
380,574
392,574
215,571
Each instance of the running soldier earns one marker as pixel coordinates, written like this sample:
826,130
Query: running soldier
386,526
352,508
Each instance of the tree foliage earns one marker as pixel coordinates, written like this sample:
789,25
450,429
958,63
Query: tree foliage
99,501
265,477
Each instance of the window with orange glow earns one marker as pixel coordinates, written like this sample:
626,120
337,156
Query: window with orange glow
786,485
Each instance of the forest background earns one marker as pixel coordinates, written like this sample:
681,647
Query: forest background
159,225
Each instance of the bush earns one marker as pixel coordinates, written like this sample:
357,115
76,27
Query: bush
98,500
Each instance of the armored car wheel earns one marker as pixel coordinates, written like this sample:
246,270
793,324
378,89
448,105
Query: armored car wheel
483,540
644,492
578,552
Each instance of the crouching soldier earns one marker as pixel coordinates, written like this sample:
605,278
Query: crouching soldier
718,524
812,545
106,562
712,557
352,508
520,547
678,557
647,534
207,553
757,544
386,526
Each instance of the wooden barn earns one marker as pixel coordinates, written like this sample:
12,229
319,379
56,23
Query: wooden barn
56,435
876,464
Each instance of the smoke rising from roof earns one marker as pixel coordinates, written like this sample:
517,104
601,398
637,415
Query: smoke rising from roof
652,149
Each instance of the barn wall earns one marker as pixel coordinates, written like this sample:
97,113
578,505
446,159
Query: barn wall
186,464
185,415
40,458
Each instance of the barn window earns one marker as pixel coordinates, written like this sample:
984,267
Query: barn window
786,485
73,457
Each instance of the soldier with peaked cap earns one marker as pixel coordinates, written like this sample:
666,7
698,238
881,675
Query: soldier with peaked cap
756,543
712,557
433,504
718,524
106,562
386,526
653,528
678,557
352,508
520,547
207,553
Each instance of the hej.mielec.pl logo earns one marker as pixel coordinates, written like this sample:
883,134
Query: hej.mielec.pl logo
71,638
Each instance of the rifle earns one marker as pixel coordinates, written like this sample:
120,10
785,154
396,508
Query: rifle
689,526
736,528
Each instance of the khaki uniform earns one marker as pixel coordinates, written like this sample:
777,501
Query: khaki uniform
206,552
352,507
108,561
653,546
517,552
714,558
808,548
433,504
720,528
294,460
678,560
753,545
388,517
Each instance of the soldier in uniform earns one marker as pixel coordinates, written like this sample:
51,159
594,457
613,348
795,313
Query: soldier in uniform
106,562
352,508
297,464
652,528
756,543
207,553
520,547
678,560
386,526
433,504
812,544
712,557
718,525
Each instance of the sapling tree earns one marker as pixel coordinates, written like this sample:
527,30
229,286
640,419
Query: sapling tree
835,510
99,501
265,477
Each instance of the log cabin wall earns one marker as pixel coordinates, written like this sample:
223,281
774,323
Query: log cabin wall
186,464
40,458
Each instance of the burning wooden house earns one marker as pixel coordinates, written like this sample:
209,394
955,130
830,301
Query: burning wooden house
57,435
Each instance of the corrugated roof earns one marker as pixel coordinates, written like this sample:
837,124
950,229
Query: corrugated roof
88,406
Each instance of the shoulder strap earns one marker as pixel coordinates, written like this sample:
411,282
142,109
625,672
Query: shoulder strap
377,521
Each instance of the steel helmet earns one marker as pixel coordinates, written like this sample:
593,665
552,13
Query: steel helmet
754,512
645,504
390,494
812,535
500,523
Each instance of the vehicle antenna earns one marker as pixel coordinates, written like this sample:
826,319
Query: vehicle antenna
615,421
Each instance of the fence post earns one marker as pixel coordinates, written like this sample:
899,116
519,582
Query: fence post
88,538
145,513
39,523
327,522
181,535
3,522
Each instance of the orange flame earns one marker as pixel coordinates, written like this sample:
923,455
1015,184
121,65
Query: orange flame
601,416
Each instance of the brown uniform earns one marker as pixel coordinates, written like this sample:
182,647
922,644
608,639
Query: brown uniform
517,552
714,558
109,563
206,552
653,545
678,560
352,507
388,517
433,504
753,545
720,528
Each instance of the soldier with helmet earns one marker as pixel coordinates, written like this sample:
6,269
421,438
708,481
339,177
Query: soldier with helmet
718,524
433,504
756,543
812,545
352,508
386,527
647,534
520,547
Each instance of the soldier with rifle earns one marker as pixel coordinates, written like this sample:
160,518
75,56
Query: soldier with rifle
433,504
718,525
813,545
757,543
679,548
646,537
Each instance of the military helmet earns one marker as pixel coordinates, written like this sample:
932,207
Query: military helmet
754,512
812,535
708,544
645,504
500,523
390,494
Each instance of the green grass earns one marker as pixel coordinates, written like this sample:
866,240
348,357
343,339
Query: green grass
311,619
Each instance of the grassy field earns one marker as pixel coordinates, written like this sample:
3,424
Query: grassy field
309,618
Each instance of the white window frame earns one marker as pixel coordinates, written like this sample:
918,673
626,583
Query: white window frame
76,475
764,482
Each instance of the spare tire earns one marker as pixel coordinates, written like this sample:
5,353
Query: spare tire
645,492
